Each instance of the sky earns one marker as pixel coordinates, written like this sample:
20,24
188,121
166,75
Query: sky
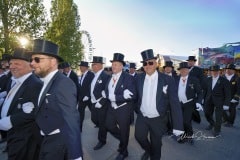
176,27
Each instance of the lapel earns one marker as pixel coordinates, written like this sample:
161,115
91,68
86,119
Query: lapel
17,98
47,88
120,81
159,88
99,78
141,83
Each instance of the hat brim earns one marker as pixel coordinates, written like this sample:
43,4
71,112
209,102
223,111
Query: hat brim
167,66
25,59
191,60
98,62
60,59
149,59
118,61
183,67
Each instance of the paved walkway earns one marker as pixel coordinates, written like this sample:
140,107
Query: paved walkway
225,147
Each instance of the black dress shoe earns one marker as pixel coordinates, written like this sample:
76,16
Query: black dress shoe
228,125
121,156
145,156
210,127
216,134
99,146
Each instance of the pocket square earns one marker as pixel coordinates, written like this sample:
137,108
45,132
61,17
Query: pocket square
48,94
100,81
165,89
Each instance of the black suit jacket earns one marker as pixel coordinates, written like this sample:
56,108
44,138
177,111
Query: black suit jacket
58,110
100,86
163,99
125,81
85,89
25,131
234,87
220,95
193,89
198,73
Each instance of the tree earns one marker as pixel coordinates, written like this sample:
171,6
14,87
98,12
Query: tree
21,18
64,30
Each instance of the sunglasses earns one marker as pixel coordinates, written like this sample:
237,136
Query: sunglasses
37,59
147,63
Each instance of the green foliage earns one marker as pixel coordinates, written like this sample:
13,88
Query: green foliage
21,18
64,30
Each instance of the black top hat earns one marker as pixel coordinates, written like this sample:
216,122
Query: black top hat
65,65
6,57
118,57
97,59
231,66
183,65
83,63
147,55
20,53
214,68
191,58
132,65
47,48
168,64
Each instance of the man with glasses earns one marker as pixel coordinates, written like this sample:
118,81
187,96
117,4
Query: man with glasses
56,114
155,91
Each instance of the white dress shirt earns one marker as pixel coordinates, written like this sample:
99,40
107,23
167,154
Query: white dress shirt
93,98
12,92
112,86
214,81
148,106
46,80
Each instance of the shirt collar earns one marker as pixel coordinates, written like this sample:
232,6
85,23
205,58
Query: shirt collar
21,79
47,79
152,76
117,74
98,72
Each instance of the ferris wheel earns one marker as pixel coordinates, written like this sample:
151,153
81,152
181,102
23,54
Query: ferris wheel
88,47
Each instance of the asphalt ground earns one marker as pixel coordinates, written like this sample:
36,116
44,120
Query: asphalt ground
224,147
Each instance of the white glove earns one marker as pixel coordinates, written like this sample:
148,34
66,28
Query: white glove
225,107
177,132
127,94
3,94
104,94
98,105
199,107
27,107
233,101
85,98
112,97
5,123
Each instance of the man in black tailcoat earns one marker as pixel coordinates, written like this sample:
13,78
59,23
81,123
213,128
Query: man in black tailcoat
17,112
155,91
99,101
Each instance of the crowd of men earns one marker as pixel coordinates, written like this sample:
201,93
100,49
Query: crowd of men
43,102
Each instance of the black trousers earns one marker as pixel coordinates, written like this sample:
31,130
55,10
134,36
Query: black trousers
187,110
155,127
53,147
81,109
209,109
230,115
118,124
98,115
